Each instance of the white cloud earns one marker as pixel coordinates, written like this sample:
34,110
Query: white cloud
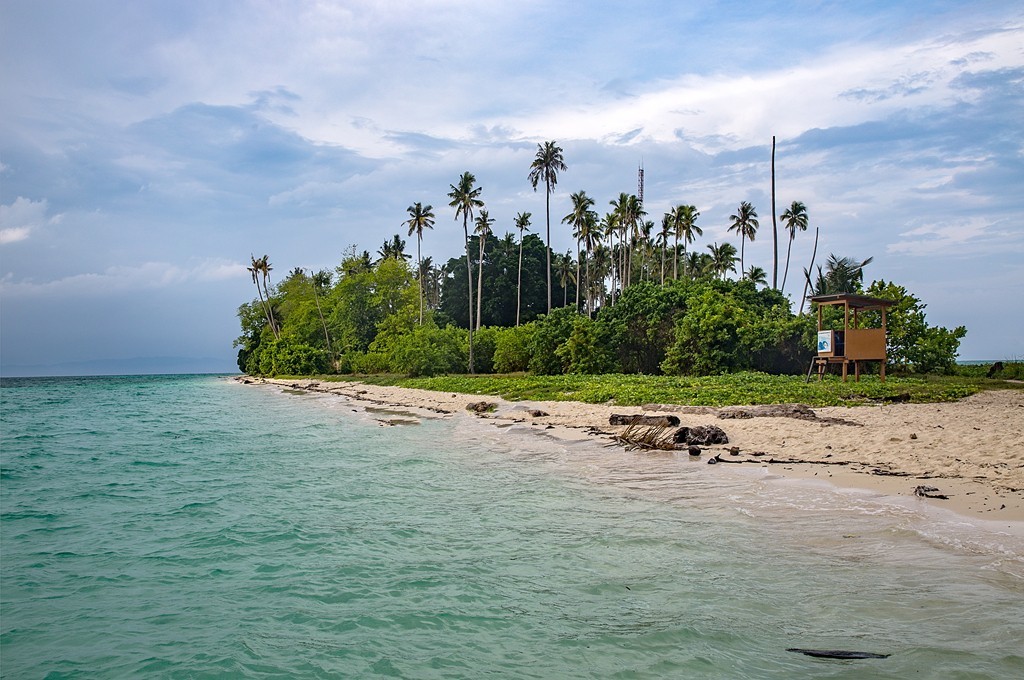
19,219
119,279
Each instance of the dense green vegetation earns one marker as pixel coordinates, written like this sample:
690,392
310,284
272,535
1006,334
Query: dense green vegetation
633,300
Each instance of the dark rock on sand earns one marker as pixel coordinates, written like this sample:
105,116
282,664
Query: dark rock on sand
702,435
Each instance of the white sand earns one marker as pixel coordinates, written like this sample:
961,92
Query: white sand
971,451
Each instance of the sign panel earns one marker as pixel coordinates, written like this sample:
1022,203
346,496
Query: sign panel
824,342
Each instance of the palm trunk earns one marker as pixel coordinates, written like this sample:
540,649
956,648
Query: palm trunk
419,272
480,280
775,229
519,281
675,258
814,254
270,310
785,273
319,311
469,289
577,276
547,213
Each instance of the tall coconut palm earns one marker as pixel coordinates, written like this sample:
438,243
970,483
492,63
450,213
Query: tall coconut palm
578,219
744,223
482,229
666,228
795,219
723,258
420,218
465,198
523,225
684,223
546,165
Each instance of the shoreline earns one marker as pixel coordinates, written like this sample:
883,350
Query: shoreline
971,451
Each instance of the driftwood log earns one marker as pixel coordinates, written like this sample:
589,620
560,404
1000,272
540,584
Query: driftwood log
649,421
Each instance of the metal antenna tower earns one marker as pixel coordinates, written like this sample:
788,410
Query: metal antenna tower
640,182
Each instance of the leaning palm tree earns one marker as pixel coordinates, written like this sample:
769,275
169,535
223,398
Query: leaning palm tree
578,219
546,165
465,197
523,225
795,219
260,266
744,223
723,258
420,218
482,229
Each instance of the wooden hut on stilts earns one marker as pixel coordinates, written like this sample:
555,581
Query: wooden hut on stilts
852,344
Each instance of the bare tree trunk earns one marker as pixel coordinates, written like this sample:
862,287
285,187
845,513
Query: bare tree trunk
775,228
807,282
519,282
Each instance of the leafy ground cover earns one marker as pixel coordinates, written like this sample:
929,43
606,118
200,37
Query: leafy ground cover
719,390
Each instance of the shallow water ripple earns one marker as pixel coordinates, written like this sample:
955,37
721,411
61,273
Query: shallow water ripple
193,527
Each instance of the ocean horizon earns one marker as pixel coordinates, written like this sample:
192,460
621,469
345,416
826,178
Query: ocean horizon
191,526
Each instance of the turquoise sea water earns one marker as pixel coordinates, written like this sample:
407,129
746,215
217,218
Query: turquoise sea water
189,526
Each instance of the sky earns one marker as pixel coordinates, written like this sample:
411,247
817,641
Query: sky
148,148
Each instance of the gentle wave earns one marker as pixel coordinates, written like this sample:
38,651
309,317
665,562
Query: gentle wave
196,527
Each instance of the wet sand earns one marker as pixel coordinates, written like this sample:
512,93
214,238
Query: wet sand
970,451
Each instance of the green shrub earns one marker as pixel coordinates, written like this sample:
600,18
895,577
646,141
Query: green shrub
484,344
551,332
512,348
583,351
430,350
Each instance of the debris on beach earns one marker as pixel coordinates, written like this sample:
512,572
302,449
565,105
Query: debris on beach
482,407
702,435
653,421
929,492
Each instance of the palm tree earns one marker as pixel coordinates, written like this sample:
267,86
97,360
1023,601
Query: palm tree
578,219
465,197
546,166
795,219
483,230
666,227
609,227
321,281
523,225
841,275
744,223
564,266
684,222
757,275
420,218
395,249
262,267
590,235
723,258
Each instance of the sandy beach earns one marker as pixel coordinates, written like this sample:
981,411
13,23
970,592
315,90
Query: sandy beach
970,452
